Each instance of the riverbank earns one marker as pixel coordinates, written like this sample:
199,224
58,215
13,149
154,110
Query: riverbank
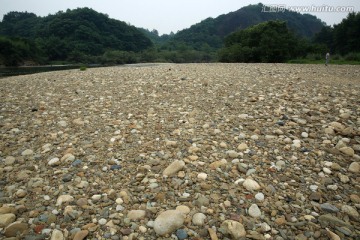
192,151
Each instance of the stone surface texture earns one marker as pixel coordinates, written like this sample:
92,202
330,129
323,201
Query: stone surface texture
242,151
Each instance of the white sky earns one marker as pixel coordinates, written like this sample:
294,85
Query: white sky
167,15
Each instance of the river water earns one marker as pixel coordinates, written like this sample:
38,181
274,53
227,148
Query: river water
14,71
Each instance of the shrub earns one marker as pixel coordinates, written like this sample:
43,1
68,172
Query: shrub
336,57
352,56
313,56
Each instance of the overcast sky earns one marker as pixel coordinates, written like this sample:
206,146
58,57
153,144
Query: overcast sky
167,15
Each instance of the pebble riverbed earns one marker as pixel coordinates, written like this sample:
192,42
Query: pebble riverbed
181,151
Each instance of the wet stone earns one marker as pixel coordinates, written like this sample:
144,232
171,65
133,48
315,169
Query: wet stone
181,234
67,178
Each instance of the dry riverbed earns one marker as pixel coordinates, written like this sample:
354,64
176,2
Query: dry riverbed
189,151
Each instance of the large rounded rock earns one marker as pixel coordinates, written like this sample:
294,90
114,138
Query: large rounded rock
136,214
81,235
233,228
6,219
57,235
198,219
354,167
347,151
254,211
16,228
168,221
349,210
250,184
174,167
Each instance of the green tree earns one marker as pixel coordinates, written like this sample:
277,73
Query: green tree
266,42
342,38
75,34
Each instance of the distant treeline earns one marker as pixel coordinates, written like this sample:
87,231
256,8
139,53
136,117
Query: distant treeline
272,41
247,35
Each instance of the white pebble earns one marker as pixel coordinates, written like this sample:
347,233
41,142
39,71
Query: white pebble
250,184
102,221
199,219
313,187
254,137
327,170
227,203
119,208
260,197
240,180
328,164
296,143
304,134
143,229
254,211
332,187
150,224
64,198
265,227
202,176
96,197
54,162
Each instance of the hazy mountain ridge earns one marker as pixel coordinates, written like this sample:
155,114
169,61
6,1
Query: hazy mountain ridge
212,30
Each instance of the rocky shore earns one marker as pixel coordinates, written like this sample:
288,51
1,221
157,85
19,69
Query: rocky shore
189,151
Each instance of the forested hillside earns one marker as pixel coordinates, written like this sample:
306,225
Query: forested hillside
213,30
248,34
74,35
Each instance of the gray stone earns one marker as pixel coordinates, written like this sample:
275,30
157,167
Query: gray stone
330,220
327,207
202,201
168,221
27,152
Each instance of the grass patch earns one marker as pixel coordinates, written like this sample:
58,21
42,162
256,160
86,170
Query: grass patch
332,62
83,68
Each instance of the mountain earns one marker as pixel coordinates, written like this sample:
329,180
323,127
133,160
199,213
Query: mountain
78,32
212,31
